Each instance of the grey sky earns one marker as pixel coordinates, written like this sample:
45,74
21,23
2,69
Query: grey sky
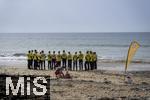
74,16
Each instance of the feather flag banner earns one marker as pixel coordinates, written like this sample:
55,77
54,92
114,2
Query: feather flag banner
131,52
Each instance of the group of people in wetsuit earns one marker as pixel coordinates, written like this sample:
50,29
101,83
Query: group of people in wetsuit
76,61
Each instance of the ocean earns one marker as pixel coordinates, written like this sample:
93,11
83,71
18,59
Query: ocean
111,48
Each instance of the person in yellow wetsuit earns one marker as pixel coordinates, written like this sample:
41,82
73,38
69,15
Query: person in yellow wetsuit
49,58
69,57
87,61
35,58
91,60
64,59
75,61
39,60
95,60
58,59
29,58
32,53
80,56
53,60
43,58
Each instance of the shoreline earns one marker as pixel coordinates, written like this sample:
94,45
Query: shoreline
101,65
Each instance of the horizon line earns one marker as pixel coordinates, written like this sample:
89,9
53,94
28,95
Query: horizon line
63,32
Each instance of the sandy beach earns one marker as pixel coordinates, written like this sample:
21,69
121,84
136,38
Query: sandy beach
93,85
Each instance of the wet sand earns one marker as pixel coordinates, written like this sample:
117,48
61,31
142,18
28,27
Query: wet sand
93,85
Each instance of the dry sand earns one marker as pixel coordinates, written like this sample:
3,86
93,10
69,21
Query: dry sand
90,85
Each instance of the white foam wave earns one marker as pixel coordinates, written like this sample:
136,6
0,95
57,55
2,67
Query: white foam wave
13,58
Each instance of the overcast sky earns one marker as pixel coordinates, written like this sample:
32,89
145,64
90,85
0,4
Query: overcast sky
23,16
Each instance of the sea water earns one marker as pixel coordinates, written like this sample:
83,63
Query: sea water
111,48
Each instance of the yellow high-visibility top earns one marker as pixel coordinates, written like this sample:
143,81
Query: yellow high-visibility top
29,56
75,57
35,57
58,58
53,56
43,57
32,55
87,57
81,56
69,57
94,57
64,56
39,57
49,56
